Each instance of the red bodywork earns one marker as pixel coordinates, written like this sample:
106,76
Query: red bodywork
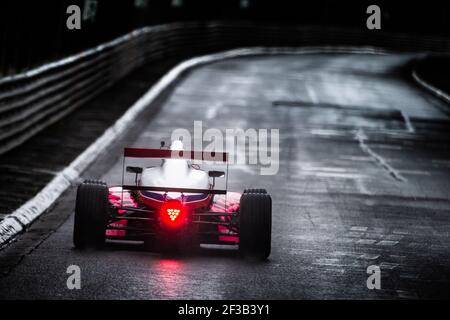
221,203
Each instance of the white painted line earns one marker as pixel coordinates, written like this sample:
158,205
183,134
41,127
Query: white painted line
312,95
362,188
408,123
212,111
361,138
22,218
439,93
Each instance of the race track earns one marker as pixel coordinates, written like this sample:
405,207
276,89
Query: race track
364,179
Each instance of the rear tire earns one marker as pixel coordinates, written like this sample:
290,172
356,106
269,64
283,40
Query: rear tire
91,214
255,224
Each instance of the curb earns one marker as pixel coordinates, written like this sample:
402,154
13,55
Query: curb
18,221
435,91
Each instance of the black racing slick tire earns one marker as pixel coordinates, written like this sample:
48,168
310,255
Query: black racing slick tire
91,214
255,224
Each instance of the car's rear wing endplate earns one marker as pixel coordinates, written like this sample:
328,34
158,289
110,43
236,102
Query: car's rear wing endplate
176,154
168,189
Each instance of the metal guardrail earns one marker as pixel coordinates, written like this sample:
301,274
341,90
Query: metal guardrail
31,101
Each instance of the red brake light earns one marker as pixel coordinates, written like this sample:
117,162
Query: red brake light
171,213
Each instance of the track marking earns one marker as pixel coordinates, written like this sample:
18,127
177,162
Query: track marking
408,123
361,138
212,111
312,95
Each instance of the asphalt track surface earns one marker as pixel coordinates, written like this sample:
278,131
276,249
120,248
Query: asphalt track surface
364,179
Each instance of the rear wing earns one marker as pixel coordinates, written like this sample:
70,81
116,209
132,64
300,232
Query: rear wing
174,154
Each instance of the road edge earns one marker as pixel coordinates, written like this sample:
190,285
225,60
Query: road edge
430,88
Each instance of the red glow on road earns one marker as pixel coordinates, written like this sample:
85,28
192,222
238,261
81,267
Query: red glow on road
171,275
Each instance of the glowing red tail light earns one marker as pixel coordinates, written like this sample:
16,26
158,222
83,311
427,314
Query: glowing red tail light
172,213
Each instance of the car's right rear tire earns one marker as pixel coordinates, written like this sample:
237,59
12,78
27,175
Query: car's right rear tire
255,224
91,214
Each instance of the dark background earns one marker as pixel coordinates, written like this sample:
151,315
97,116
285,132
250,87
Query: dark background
34,32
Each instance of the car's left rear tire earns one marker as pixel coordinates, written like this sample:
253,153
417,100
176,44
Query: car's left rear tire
91,214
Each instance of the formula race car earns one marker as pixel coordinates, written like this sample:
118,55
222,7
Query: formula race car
173,205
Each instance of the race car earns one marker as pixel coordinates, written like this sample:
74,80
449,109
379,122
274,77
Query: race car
173,205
